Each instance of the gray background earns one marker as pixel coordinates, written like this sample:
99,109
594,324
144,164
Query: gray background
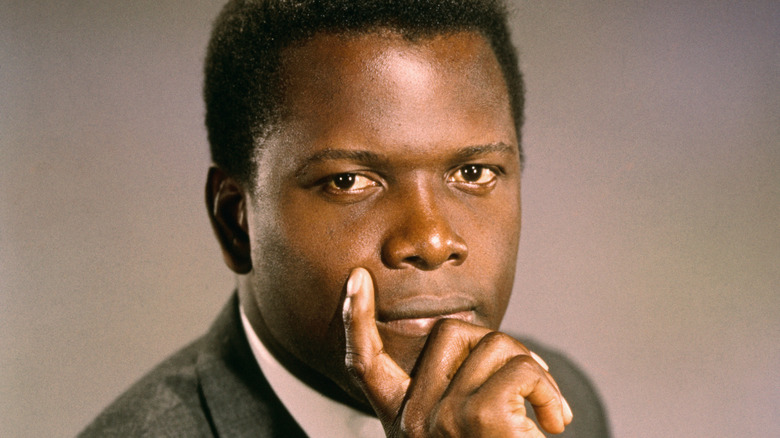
650,247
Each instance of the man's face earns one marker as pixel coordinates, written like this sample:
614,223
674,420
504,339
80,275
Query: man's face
396,156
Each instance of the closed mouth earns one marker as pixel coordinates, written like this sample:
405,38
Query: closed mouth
421,326
416,317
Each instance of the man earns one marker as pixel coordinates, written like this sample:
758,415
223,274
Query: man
366,192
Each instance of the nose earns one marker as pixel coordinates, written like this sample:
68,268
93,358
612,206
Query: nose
423,237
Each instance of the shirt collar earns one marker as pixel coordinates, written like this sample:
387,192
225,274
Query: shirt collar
318,415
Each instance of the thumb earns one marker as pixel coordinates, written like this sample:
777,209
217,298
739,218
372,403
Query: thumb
382,380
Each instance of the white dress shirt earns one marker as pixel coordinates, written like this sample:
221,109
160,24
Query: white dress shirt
318,415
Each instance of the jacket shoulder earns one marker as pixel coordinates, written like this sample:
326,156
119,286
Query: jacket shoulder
166,402
213,387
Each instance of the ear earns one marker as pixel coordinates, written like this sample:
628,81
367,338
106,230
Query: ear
226,202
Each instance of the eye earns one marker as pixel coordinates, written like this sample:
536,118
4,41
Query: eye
347,183
474,175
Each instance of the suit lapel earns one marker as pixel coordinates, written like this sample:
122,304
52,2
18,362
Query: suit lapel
237,398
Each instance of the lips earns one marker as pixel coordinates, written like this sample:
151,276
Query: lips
418,327
416,317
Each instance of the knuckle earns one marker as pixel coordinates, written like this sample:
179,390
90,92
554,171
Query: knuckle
504,345
411,429
500,340
447,327
526,363
445,422
526,426
356,363
532,374
480,416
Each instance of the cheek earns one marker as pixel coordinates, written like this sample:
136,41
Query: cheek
308,253
331,239
493,245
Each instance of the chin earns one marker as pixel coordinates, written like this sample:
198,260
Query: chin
404,351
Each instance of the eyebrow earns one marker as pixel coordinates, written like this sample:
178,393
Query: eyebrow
361,156
374,159
479,150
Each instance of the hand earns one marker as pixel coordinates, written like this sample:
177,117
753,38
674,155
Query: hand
469,382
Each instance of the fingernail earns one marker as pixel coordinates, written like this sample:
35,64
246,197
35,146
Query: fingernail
540,361
354,282
567,414
347,309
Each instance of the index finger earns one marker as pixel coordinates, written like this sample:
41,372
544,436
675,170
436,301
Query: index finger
382,380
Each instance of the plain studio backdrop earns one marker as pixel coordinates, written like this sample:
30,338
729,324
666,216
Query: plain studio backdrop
651,237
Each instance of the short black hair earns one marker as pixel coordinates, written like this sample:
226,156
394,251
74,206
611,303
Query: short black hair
242,83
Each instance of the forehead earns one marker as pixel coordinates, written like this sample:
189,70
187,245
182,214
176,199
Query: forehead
372,54
383,70
389,92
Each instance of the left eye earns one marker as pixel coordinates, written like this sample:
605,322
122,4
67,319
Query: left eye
473,174
348,182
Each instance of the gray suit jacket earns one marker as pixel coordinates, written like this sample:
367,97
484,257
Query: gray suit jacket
213,387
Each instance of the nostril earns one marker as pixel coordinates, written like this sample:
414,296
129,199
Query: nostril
415,261
424,263
457,257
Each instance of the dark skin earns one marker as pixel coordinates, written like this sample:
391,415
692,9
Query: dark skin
376,249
